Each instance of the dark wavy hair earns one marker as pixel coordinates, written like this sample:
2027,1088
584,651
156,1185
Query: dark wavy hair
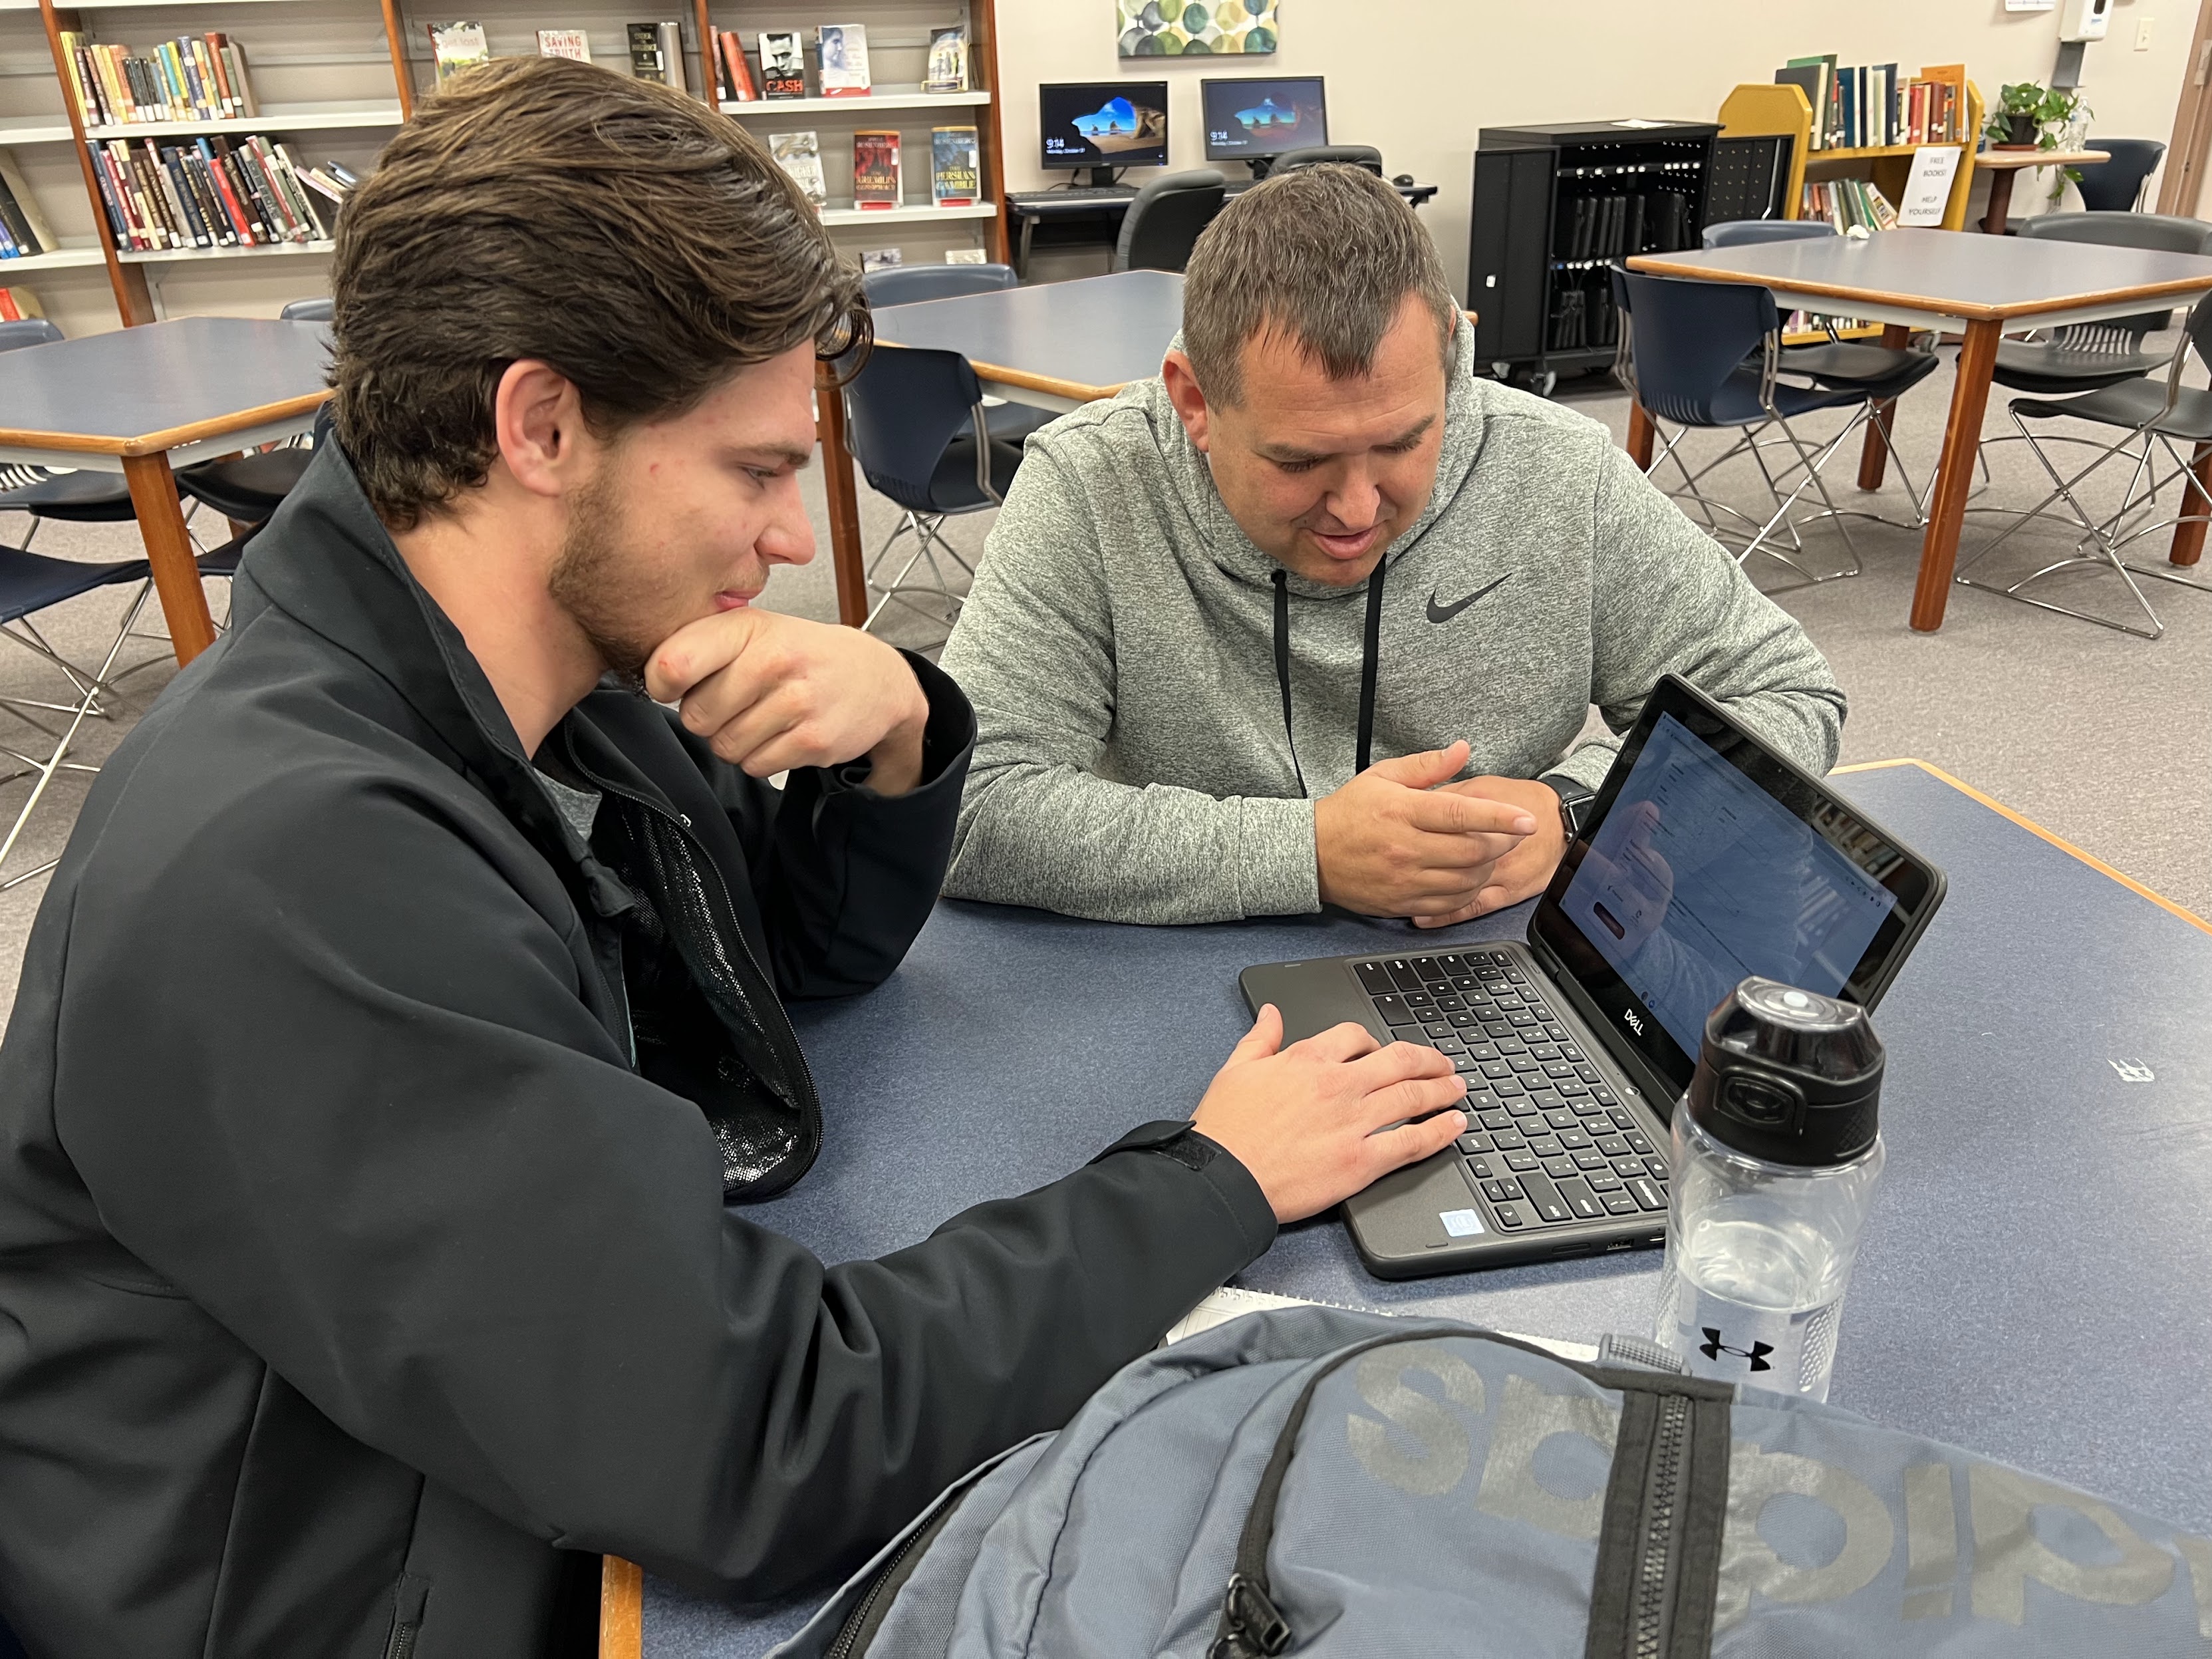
643,245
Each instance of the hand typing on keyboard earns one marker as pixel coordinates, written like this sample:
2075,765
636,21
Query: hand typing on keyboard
1312,1122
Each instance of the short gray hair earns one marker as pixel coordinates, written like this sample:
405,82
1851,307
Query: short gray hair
1325,255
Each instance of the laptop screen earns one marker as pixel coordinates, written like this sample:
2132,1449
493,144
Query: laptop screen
1709,857
1697,877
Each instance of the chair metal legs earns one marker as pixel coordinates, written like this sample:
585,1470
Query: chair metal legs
87,706
1747,535
2104,535
925,528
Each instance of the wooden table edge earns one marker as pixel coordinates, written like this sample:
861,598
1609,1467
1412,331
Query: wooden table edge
2035,829
1074,390
1659,265
2001,161
622,1608
175,437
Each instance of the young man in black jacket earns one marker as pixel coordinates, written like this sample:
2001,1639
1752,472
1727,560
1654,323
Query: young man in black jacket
407,1003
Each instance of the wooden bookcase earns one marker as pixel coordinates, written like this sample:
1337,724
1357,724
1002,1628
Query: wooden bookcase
1756,109
334,77
898,50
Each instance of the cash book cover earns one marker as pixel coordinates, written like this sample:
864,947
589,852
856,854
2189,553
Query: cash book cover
876,181
783,64
955,174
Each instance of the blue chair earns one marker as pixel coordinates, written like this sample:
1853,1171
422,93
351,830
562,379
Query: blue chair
246,489
30,583
2116,185
1683,357
77,497
2150,418
907,285
1881,373
916,423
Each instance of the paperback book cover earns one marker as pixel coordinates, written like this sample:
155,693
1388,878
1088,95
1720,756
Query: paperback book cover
948,60
645,51
966,255
735,69
564,42
955,173
458,46
876,182
799,154
783,64
844,51
874,258
672,55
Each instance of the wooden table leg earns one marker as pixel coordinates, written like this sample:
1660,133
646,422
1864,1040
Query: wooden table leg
2189,536
169,551
622,1608
1873,452
837,484
1993,222
1640,434
1954,475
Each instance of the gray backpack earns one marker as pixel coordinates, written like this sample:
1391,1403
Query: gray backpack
1324,1481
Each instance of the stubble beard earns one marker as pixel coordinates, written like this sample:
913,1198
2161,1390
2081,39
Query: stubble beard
598,588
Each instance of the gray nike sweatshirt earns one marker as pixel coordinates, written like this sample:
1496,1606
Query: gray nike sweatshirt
1120,646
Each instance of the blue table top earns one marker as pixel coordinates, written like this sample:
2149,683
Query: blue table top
134,382
2034,1282
1093,336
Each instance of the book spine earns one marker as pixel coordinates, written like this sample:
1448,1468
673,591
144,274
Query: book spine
182,207
151,209
268,226
235,54
13,241
157,192
73,61
295,215
10,312
296,177
241,226
211,207
118,229
188,200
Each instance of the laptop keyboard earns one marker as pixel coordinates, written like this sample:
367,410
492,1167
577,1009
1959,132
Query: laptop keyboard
1548,1142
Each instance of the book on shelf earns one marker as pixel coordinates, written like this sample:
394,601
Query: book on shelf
1867,107
956,176
670,36
799,154
965,256
207,193
565,43
843,50
458,46
783,64
737,72
1849,204
18,305
948,60
875,180
645,51
190,78
25,227
882,259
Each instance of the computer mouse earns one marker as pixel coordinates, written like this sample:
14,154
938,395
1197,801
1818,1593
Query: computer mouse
1403,178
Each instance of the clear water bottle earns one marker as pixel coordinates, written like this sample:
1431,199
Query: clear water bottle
1777,1148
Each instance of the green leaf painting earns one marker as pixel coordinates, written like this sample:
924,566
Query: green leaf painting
1188,29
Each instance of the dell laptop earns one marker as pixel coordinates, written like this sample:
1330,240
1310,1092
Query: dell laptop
1707,856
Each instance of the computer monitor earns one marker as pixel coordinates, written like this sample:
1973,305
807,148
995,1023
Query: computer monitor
1104,124
1256,120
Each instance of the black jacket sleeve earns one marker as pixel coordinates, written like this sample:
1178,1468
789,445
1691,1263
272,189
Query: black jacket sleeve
845,877
362,1117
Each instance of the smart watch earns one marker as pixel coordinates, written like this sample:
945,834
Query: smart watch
1574,803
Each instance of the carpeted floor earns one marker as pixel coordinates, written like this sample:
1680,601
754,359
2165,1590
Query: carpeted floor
2103,738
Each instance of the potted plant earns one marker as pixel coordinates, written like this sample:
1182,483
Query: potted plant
2030,117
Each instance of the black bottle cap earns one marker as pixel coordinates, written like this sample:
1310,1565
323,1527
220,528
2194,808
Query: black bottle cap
1788,1076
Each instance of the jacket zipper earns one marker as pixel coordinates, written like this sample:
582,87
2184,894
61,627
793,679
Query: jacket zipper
782,1037
402,1641
1651,1594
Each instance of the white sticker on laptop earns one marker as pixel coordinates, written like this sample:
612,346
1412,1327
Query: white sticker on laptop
1460,1224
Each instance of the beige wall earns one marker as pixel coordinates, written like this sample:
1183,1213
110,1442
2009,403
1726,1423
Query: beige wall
1417,78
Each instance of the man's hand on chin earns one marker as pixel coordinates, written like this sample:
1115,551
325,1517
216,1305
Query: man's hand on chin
1527,870
769,692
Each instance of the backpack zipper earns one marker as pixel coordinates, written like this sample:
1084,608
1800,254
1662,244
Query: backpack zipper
1651,1594
921,1537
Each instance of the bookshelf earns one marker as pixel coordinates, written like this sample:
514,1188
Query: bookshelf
334,77
1760,110
898,46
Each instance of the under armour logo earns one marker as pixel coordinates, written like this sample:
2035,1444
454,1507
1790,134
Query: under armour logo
2131,1073
1712,1347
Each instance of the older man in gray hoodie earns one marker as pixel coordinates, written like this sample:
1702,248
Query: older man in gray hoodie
1318,616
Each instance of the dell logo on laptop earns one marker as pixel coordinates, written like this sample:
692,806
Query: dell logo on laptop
1634,1023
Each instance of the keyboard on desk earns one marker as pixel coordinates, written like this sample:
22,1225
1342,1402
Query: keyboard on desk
1076,193
1549,1140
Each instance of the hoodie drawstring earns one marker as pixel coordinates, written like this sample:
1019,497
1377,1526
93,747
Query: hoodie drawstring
1371,652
